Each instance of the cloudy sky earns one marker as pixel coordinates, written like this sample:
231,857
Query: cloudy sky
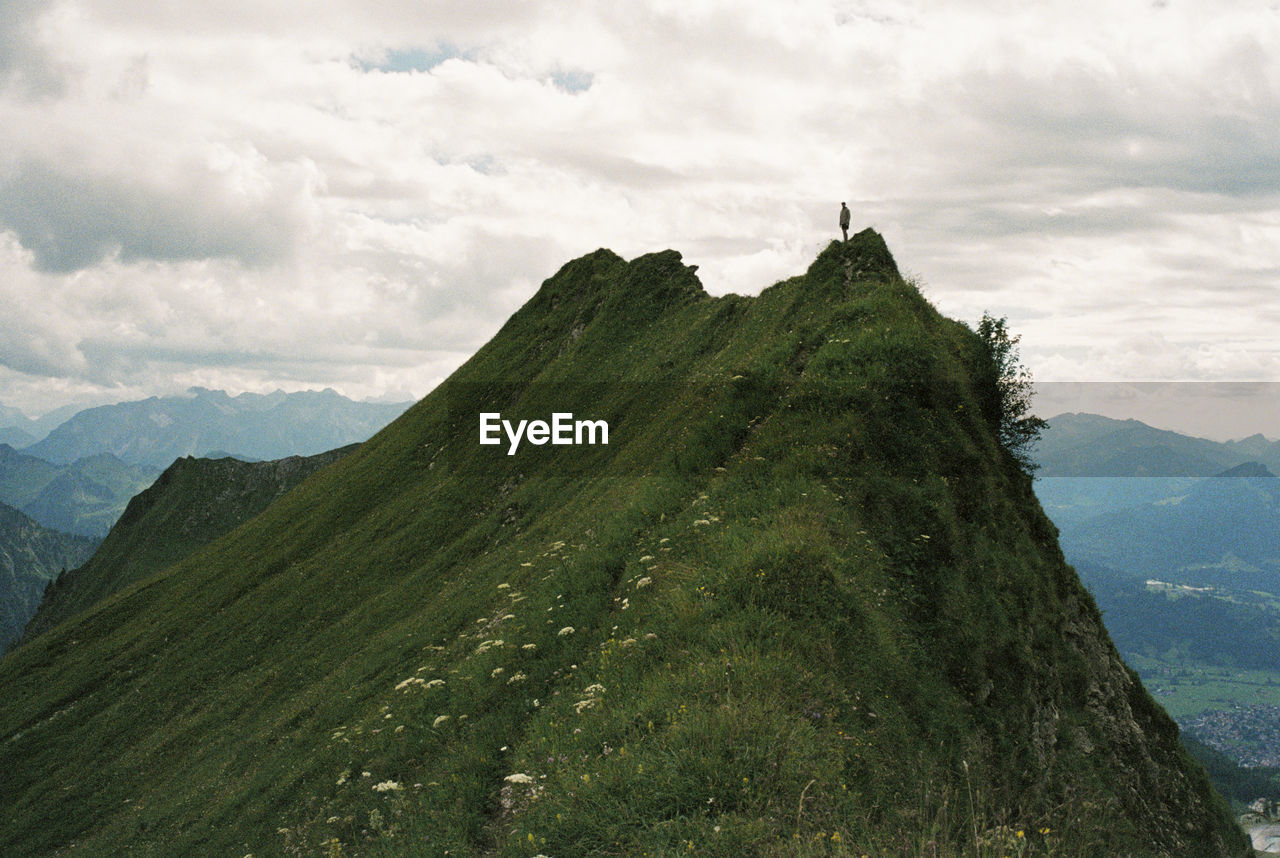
292,195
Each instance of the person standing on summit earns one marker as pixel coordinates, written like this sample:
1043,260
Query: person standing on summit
844,220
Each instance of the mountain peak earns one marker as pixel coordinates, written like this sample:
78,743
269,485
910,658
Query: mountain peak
801,547
580,279
864,255
1247,469
660,280
660,276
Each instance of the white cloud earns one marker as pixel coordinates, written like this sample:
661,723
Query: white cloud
358,195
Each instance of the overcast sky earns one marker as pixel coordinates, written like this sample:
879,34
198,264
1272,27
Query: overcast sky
278,194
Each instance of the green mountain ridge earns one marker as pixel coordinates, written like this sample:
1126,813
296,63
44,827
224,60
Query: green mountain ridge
192,503
802,603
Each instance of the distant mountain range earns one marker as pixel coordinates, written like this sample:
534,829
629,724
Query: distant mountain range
30,557
192,503
18,430
84,497
1090,464
1220,531
12,436
81,475
1149,502
1090,445
158,430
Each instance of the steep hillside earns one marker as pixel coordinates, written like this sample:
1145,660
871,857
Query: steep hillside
30,557
158,430
800,604
193,503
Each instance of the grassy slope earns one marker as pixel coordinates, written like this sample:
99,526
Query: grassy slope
814,610
192,503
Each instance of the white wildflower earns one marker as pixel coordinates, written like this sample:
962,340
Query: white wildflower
439,721
529,647
435,683
504,586
644,582
646,558
517,677
702,522
567,630
407,685
597,688
386,786
584,704
497,671
518,778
